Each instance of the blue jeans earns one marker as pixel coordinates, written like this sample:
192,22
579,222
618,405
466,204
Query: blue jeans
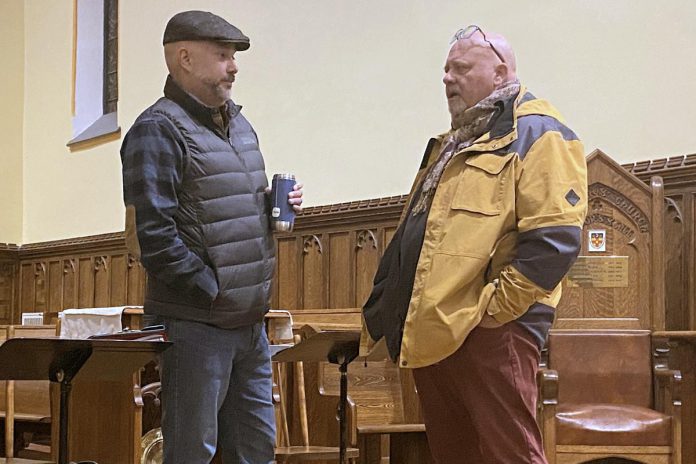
217,390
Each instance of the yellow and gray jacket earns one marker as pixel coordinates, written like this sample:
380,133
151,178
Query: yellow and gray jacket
502,231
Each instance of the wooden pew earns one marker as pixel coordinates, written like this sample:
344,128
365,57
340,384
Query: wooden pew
389,422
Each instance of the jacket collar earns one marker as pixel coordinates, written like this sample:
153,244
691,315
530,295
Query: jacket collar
503,130
503,126
200,112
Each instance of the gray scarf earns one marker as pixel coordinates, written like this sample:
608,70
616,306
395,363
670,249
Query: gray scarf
467,127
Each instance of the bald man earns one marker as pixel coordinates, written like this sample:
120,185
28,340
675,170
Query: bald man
465,292
194,187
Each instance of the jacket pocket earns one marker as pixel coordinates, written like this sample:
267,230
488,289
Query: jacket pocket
480,188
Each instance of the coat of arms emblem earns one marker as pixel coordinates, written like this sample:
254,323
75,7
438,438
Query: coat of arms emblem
597,240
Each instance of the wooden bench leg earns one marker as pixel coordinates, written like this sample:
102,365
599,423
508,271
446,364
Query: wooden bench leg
370,446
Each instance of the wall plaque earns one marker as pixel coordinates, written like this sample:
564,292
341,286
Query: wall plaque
599,272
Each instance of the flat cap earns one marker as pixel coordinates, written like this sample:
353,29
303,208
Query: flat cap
203,25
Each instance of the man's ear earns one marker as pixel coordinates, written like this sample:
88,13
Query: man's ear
500,76
185,59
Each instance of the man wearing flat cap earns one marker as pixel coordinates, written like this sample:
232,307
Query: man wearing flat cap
197,215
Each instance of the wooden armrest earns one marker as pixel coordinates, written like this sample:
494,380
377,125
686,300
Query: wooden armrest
26,417
385,429
667,389
547,383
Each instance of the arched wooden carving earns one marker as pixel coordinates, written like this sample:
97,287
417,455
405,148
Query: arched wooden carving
364,237
69,266
673,211
310,243
366,262
100,262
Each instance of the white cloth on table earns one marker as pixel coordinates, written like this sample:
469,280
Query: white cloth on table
84,322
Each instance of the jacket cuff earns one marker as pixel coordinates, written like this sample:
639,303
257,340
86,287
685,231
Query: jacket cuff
499,315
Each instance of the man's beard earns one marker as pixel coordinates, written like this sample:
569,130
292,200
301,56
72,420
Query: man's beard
218,87
457,108
221,90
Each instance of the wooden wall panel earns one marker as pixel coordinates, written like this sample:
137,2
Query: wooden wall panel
55,286
341,261
26,283
312,263
102,281
676,298
135,287
367,252
9,276
85,287
40,286
287,268
118,280
70,285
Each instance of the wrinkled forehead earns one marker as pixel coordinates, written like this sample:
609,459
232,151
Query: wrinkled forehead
471,49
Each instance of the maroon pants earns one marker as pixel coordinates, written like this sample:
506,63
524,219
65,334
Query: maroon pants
479,403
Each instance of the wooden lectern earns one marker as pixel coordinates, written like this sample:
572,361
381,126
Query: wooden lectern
63,360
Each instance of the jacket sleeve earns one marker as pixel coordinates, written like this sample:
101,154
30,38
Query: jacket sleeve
153,164
551,203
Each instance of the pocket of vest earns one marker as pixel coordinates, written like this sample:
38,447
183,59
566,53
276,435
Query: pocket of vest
480,188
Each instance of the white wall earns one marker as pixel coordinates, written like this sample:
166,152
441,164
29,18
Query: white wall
346,93
11,120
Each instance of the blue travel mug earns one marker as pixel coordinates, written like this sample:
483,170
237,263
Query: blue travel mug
282,214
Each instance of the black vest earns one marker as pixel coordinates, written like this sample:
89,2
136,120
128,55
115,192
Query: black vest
223,218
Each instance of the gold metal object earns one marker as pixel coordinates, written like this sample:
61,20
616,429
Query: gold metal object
151,446
599,272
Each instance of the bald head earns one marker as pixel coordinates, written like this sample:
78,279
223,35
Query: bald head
476,66
502,46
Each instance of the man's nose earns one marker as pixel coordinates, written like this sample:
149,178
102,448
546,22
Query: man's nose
447,79
232,67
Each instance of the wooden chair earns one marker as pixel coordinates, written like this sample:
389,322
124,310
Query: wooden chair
601,396
27,403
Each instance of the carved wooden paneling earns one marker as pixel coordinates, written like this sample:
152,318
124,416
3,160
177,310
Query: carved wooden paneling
8,273
676,299
341,262
679,176
312,273
286,285
102,281
40,286
55,287
69,283
367,254
98,270
85,287
26,286
631,216
118,280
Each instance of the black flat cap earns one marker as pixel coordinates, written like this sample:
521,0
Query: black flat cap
203,25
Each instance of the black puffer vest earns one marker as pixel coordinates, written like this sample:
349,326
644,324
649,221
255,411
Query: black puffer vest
223,218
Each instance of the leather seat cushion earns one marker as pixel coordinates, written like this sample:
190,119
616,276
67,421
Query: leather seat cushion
611,424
